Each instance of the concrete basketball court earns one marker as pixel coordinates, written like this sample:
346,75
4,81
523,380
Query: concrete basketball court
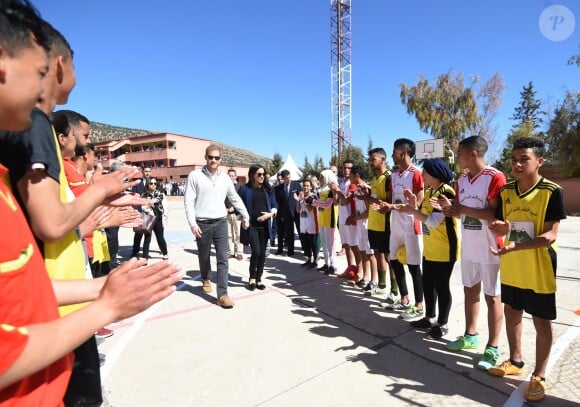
309,339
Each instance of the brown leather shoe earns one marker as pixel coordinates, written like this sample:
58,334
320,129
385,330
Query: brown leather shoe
225,302
206,286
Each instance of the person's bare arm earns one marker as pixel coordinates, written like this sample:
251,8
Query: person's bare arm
50,219
128,290
76,291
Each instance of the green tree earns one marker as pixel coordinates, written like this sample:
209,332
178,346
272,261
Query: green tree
449,109
528,110
307,169
563,135
575,59
357,156
527,117
275,164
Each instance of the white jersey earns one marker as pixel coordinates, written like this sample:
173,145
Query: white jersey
410,179
476,238
343,210
308,222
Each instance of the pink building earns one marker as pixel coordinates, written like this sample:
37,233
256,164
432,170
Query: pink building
171,156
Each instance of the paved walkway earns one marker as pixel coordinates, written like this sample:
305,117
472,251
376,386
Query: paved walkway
309,339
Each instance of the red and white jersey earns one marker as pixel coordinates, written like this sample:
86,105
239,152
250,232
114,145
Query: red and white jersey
411,179
476,238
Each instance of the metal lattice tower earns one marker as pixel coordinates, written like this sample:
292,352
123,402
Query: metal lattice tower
340,74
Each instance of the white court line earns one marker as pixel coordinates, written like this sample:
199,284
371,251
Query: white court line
563,343
116,351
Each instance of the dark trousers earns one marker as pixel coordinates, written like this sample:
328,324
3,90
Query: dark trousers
415,271
285,228
158,230
113,241
84,386
258,240
216,233
136,244
436,275
310,245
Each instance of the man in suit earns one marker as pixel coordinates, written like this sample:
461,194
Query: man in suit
287,216
139,189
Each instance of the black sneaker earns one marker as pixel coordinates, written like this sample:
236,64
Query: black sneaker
323,268
422,323
312,265
329,271
437,332
370,289
305,264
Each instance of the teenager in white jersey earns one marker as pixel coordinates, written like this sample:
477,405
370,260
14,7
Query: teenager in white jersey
477,199
347,232
359,218
405,230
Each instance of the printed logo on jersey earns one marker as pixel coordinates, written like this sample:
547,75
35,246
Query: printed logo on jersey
470,223
521,232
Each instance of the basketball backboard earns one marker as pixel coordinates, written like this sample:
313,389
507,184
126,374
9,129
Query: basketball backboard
429,149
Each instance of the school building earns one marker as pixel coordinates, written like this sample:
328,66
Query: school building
171,156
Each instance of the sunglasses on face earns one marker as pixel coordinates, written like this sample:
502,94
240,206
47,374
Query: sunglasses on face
153,183
214,157
260,174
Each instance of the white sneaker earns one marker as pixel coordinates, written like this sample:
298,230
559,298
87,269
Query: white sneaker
392,298
396,306
381,290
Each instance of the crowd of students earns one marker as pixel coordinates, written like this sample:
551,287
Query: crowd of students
51,306
503,233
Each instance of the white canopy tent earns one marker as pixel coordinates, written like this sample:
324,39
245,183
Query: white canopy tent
290,165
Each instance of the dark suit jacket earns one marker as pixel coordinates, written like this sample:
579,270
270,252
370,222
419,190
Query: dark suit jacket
287,203
139,189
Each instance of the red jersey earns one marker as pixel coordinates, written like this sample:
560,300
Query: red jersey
26,297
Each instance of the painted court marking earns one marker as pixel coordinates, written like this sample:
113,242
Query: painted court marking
116,351
563,343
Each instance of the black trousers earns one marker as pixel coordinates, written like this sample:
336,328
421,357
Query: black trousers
258,240
436,275
415,271
84,387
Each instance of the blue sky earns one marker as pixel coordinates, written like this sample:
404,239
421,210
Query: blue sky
256,74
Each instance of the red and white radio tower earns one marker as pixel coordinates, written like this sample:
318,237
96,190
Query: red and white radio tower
340,74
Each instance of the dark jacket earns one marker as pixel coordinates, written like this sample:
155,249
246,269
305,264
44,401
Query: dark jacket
287,203
245,192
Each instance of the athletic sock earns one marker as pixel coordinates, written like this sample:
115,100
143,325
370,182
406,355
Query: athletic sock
382,278
517,364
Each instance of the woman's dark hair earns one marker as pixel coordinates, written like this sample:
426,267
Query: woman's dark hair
252,171
60,123
148,182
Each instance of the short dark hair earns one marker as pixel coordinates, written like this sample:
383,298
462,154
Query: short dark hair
405,144
21,26
60,122
74,118
537,145
476,143
59,46
348,161
358,170
284,173
378,150
232,170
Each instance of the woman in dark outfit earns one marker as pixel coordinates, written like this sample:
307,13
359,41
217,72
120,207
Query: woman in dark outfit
258,196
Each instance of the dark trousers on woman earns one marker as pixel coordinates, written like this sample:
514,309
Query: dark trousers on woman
258,240
158,230
415,271
310,242
436,275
